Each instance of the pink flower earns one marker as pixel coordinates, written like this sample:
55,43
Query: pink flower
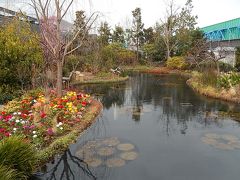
50,131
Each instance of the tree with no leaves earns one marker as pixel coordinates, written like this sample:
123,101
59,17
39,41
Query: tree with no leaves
55,44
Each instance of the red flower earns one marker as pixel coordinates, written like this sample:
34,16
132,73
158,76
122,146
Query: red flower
60,106
43,115
84,103
7,134
24,116
3,113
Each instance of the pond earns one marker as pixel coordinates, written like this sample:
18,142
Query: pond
153,127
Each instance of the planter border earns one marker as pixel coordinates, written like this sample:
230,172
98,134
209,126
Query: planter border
60,144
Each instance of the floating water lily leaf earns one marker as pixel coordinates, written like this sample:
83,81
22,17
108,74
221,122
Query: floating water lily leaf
212,135
235,144
115,162
125,147
223,146
93,162
106,151
129,155
111,141
229,137
224,142
92,144
209,141
84,153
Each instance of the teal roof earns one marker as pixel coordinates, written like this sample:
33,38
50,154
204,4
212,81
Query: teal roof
228,30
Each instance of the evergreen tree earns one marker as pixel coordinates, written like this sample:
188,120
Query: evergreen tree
137,30
105,34
118,35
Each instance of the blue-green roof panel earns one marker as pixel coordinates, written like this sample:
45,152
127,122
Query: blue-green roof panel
228,30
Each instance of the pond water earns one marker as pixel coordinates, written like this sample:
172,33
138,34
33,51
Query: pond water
153,127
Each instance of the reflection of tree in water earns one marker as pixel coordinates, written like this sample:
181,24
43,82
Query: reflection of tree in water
65,164
108,94
178,103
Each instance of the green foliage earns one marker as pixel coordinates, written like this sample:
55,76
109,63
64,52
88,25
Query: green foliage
118,35
115,55
105,34
18,155
210,65
237,58
177,62
19,53
228,80
209,78
7,173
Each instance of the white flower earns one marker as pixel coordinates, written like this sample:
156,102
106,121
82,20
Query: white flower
14,113
61,128
60,123
57,125
34,136
14,129
23,122
17,121
34,132
19,113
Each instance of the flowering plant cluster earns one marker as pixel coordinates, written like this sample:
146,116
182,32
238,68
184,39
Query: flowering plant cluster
40,118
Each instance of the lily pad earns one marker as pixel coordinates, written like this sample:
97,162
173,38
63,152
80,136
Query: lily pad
125,147
115,162
223,146
209,141
111,141
212,135
234,144
84,153
93,162
106,151
129,156
229,137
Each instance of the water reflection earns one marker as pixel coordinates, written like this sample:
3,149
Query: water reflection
158,129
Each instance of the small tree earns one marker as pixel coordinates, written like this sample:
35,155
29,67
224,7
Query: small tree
137,30
105,34
118,35
54,42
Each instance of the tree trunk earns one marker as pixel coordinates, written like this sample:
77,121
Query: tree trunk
137,51
59,78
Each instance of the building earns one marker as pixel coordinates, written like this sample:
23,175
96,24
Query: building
224,36
6,15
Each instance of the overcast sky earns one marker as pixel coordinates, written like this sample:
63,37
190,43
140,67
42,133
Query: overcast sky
119,11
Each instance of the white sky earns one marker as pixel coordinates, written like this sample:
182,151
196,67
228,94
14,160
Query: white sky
119,11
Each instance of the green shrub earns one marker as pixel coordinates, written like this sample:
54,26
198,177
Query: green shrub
177,62
237,58
225,67
17,154
228,80
8,174
209,78
8,93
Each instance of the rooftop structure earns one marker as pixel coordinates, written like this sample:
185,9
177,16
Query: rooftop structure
224,31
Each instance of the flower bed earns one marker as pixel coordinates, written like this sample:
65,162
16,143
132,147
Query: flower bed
42,119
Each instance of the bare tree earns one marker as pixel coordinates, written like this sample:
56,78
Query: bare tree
55,44
169,26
